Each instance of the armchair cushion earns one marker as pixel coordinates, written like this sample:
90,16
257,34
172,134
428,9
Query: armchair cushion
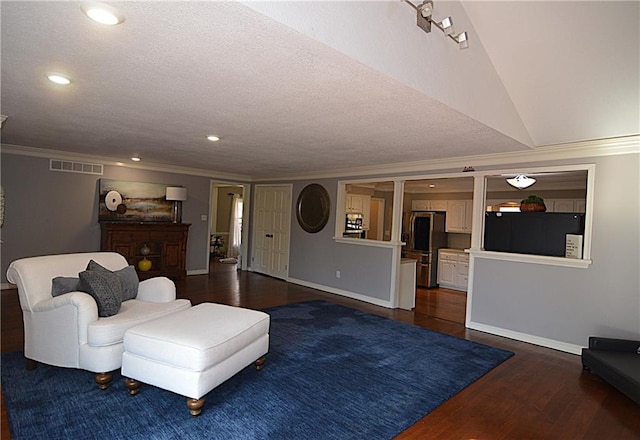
105,288
128,279
109,331
62,285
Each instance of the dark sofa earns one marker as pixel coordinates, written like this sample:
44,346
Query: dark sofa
617,361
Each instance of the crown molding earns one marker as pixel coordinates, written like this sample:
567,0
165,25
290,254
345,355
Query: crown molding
149,166
573,150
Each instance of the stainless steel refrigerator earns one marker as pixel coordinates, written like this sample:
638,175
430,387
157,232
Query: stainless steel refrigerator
426,235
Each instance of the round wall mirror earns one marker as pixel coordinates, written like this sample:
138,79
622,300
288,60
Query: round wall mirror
313,208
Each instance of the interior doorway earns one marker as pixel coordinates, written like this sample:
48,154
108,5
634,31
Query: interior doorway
228,224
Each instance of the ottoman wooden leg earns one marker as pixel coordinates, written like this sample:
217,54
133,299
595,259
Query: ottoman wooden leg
195,406
103,380
260,363
132,385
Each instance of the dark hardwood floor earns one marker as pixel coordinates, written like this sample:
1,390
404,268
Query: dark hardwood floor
537,394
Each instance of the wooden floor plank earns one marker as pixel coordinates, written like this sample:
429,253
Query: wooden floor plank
537,394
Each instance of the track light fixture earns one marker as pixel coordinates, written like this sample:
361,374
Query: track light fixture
425,20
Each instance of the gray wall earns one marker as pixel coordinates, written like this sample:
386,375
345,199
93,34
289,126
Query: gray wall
567,304
558,303
315,258
48,212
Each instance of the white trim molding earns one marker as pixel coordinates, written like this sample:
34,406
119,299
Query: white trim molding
524,337
197,272
572,150
533,259
75,157
346,293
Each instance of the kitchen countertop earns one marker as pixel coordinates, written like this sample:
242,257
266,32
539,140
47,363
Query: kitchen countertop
460,251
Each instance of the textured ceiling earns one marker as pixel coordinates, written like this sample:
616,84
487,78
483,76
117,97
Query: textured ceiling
282,101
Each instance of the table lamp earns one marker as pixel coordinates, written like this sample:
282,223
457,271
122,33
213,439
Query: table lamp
177,194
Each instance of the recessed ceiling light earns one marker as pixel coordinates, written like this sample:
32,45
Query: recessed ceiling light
431,185
213,138
58,78
102,13
136,158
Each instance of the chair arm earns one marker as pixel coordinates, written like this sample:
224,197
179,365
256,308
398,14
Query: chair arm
76,309
610,344
157,290
85,304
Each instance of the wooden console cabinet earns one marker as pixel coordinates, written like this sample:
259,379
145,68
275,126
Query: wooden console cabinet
167,243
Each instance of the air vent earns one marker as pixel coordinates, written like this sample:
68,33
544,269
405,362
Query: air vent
75,167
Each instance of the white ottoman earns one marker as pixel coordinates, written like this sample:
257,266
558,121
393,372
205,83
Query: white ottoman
193,351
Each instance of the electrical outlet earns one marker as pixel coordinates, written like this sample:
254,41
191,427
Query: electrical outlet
337,274
203,217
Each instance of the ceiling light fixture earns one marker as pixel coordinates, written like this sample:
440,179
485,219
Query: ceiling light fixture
521,181
425,20
213,138
58,78
136,158
102,13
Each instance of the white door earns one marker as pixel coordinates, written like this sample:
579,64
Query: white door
272,216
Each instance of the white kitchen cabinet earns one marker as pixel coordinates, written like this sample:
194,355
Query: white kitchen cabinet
562,205
462,272
354,204
565,205
459,216
453,269
359,204
429,205
446,269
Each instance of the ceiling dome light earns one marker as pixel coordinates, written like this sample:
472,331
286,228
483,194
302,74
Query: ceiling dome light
136,158
213,138
58,78
521,181
103,14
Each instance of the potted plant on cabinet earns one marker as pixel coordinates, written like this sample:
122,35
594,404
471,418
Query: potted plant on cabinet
532,203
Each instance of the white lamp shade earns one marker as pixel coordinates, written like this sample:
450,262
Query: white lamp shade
176,193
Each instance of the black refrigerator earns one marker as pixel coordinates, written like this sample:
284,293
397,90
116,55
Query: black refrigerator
536,233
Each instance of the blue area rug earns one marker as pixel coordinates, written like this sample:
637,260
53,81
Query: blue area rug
332,373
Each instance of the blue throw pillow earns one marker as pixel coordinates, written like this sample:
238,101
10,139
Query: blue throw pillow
128,279
105,288
62,285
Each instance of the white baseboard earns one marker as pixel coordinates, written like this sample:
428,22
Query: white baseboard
198,272
352,295
524,337
5,286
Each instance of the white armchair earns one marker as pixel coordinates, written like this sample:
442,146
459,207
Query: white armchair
66,330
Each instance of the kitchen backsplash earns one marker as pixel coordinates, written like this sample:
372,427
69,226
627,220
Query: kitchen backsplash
458,241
